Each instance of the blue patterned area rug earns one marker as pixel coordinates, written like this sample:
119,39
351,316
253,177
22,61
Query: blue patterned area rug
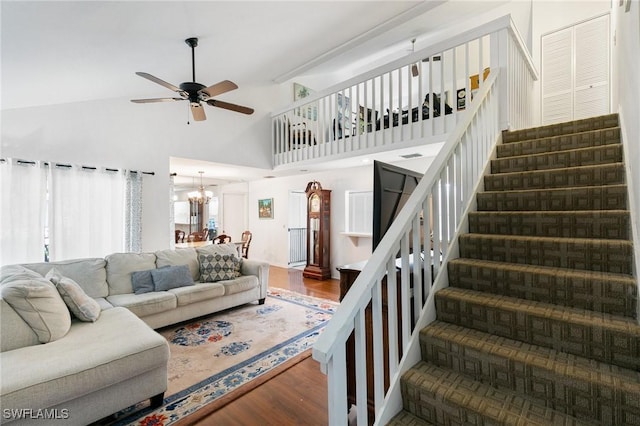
214,358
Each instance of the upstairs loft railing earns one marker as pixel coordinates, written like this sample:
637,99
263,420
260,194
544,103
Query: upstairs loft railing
404,270
415,100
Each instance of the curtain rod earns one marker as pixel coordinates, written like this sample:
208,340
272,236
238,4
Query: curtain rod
4,160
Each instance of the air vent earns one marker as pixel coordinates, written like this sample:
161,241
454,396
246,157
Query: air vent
414,155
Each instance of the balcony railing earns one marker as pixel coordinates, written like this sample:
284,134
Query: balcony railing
412,101
436,212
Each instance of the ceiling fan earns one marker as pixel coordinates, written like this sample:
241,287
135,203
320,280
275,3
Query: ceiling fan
196,93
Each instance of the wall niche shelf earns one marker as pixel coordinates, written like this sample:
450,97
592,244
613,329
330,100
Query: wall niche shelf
355,236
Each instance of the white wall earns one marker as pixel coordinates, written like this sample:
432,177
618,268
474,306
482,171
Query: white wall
117,133
270,236
627,71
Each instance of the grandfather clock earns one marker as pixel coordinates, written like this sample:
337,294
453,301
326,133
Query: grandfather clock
318,231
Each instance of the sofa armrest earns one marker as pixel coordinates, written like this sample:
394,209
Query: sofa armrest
259,269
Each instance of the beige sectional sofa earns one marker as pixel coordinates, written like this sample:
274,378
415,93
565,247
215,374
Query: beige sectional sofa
57,368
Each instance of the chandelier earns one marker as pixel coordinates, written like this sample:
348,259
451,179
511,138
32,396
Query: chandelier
200,196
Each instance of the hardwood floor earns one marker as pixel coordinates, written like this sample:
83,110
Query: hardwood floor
298,396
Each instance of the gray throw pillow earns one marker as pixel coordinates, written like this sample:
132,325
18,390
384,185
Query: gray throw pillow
171,277
142,281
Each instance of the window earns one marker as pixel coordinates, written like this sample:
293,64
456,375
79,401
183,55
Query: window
359,212
56,211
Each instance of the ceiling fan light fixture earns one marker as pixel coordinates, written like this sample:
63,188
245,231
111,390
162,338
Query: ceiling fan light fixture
414,67
195,92
414,70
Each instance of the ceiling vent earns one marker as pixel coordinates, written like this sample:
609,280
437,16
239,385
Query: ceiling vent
414,155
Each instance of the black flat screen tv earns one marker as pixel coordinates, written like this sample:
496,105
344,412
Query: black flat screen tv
392,186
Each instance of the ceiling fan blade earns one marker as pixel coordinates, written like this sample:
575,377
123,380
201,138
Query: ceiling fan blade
231,107
158,81
198,112
219,88
147,101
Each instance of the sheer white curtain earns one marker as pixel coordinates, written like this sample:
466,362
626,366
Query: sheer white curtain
22,212
133,212
86,211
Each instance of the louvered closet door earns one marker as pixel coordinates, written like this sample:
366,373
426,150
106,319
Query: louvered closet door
592,68
557,80
575,71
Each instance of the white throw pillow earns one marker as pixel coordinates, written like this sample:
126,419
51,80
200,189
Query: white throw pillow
82,306
38,303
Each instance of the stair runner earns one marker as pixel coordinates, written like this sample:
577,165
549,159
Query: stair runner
538,325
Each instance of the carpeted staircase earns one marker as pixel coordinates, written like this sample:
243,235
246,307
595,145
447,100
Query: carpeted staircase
538,325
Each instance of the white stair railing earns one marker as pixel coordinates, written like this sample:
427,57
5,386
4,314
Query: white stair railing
415,100
435,213
440,199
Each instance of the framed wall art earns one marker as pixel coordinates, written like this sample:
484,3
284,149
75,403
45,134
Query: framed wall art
265,208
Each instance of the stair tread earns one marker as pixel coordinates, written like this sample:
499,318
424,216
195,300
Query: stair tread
496,405
620,212
589,175
579,316
563,189
592,198
554,140
572,367
405,418
605,224
552,270
536,238
570,127
565,151
560,169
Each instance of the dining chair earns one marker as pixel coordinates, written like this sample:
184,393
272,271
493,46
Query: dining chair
246,240
221,239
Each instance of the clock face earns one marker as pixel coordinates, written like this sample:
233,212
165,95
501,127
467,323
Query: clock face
314,203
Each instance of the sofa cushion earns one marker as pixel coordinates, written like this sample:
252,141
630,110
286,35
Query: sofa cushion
121,265
145,304
14,331
82,306
10,273
142,281
104,303
38,303
180,256
240,284
89,273
91,357
171,277
198,293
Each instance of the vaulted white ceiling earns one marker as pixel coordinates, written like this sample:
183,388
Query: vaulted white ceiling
71,51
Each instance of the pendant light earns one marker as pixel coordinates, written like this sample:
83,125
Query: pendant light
200,196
